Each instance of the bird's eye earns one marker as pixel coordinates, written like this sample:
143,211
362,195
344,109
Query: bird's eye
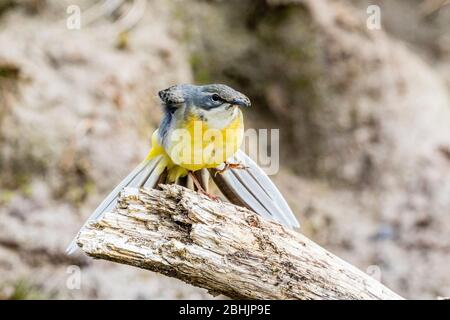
215,97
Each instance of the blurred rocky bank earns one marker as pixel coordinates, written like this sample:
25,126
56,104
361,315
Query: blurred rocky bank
364,118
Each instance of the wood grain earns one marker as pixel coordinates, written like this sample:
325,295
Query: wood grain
224,248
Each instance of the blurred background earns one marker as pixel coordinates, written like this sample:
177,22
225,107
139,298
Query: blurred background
364,115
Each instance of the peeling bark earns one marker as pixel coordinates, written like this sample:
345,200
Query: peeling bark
222,247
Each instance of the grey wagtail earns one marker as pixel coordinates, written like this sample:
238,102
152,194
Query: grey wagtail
199,137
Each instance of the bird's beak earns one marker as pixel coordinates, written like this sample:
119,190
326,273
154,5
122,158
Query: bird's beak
242,102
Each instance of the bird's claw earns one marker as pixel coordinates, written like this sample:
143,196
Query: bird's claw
228,166
201,190
210,196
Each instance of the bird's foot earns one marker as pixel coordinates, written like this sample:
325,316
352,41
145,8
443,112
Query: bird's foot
228,166
200,189
209,195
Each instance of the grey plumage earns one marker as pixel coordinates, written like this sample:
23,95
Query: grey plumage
252,188
198,96
179,101
145,174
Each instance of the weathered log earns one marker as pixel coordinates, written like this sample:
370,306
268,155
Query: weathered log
224,248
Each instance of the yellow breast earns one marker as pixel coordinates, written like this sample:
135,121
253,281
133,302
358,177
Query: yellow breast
195,145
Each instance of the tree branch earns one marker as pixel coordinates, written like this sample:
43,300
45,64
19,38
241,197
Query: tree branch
221,247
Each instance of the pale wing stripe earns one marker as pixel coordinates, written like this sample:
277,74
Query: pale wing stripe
224,186
140,179
111,196
109,201
261,196
136,182
242,193
267,184
154,175
244,161
283,208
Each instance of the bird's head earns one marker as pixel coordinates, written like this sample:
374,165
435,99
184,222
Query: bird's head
209,97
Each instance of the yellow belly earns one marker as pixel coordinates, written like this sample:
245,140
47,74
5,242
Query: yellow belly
194,146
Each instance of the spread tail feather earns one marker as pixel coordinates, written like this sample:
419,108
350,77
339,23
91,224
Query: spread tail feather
251,187
145,174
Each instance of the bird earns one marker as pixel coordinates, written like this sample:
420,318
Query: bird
198,140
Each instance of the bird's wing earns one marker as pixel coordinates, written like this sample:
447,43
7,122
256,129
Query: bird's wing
251,187
145,175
